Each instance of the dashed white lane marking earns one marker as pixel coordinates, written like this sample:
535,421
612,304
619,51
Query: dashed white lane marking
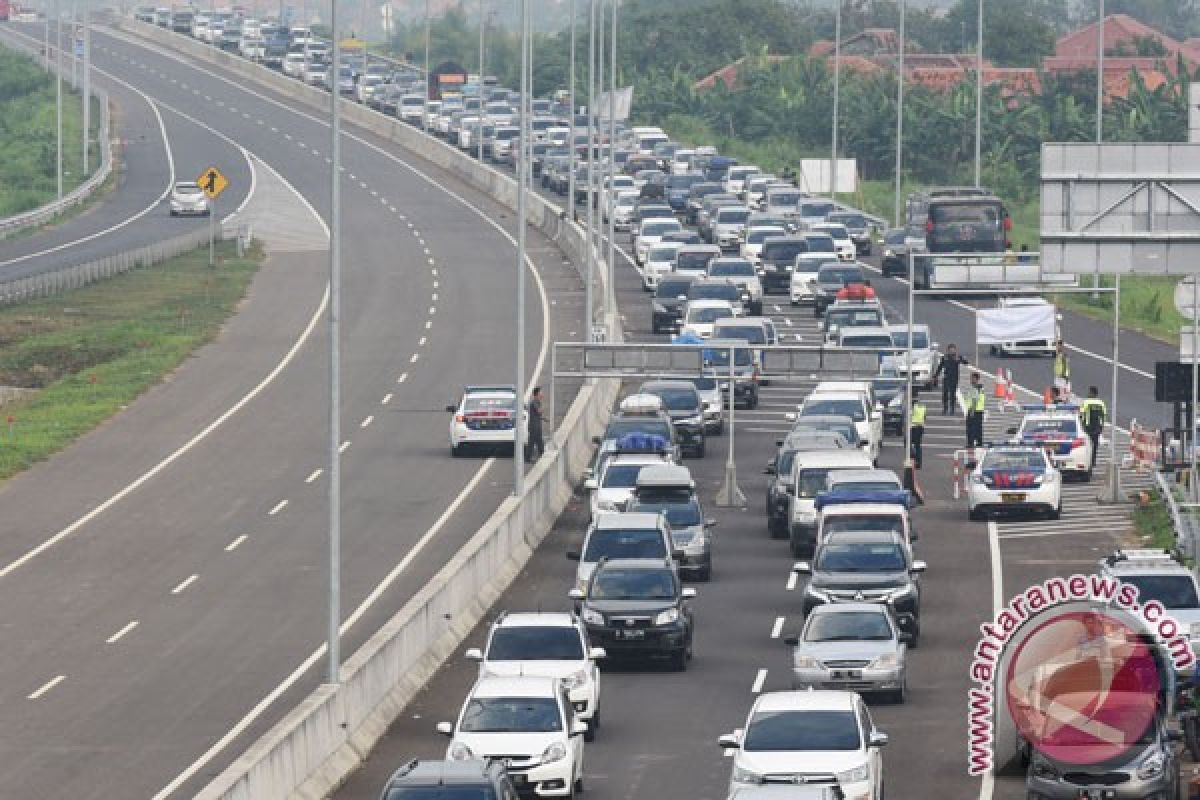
362,184
387,398
791,582
414,358
433,297
274,129
47,686
392,209
351,176
422,342
287,136
435,284
366,422
432,271
777,628
280,506
186,582
759,680
402,378
345,446
426,249
236,543
431,263
428,324
312,476
116,637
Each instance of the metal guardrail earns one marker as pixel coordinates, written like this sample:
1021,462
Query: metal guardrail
1185,518
19,222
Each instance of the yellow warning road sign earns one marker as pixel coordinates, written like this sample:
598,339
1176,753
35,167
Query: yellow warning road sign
212,182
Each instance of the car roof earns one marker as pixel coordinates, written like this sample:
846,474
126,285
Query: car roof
840,394
700,248
437,772
832,458
643,459
536,619
621,520
808,700
634,563
847,608
650,386
864,330
853,475
851,509
842,386
862,537
665,475
709,302
515,686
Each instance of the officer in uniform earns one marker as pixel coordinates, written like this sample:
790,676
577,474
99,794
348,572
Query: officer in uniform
947,370
916,428
1093,414
976,403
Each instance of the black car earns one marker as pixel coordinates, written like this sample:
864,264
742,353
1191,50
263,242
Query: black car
666,306
831,279
777,260
677,189
864,567
857,226
449,780
895,252
638,608
696,196
683,405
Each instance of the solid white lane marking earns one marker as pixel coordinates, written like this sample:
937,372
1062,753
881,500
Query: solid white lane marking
432,310
414,358
759,680
345,446
47,686
366,422
422,342
402,378
280,506
229,548
186,582
387,398
791,581
312,476
777,628
428,324
116,637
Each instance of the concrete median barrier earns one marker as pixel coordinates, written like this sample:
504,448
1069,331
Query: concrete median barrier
311,750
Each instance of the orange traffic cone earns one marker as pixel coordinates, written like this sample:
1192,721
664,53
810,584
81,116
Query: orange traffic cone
1048,396
1011,398
1000,390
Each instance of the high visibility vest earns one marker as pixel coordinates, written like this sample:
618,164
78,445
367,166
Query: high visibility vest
918,415
1061,368
977,400
1092,405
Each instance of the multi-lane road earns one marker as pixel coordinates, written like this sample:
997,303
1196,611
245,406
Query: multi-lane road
167,574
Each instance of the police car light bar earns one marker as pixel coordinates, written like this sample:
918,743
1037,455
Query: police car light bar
1141,556
1050,407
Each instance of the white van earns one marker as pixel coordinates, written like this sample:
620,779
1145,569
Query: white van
810,473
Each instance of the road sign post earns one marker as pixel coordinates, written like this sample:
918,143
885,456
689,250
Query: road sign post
212,183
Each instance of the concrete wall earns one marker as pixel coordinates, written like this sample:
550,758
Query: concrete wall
322,740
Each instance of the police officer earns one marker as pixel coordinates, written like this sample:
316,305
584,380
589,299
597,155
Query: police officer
1062,369
536,418
948,371
1093,414
976,403
916,428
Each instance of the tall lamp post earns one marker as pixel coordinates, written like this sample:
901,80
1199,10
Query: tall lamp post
979,95
335,364
900,113
612,163
589,300
837,81
522,188
425,111
571,159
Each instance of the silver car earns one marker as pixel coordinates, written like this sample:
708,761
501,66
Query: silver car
857,647
714,404
188,198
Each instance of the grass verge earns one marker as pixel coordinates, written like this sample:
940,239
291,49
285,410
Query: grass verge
92,351
1152,522
1147,305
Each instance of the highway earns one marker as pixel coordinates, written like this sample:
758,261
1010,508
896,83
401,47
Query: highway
167,573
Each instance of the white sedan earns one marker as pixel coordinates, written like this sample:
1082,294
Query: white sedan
1059,431
484,417
842,243
188,198
701,316
1014,479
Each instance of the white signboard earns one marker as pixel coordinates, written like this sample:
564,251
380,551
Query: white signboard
1186,297
813,176
1194,113
624,104
1016,324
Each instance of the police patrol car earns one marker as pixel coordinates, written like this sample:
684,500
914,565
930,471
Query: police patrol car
1014,478
484,417
1057,428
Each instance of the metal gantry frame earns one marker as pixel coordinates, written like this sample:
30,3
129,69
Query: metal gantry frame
1113,478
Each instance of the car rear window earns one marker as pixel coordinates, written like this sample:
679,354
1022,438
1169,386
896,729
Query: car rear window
783,252
801,731
444,792
641,543
535,643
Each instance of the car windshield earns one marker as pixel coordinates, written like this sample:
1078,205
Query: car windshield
781,199
920,339
659,227
849,220
1014,460
840,276
447,791
811,480
475,403
836,231
783,252
720,358
757,237
848,626
740,269
858,318
625,543
894,237
861,557
705,384
633,584
187,188
802,730
672,288
693,261
816,209
621,476
1061,426
662,253
843,408
1173,591
881,340
677,399
682,181
733,216
846,429
535,643
713,291
619,426
681,513
864,522
511,715
709,313
753,334
820,244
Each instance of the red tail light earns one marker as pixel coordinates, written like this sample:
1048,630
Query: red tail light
459,418
1077,442
1008,223
929,226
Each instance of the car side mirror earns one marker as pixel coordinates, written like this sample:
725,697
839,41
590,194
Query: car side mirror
474,654
1011,431
597,440
790,490
802,568
677,555
769,469
688,593
572,555
451,408
579,728
791,641
445,729
877,739
575,594
728,741
591,484
597,654
919,566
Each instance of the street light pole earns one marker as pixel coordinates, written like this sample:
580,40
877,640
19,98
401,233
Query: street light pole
571,121
837,85
1100,75
482,27
589,300
87,89
58,103
612,164
979,95
522,188
900,112
335,365
425,112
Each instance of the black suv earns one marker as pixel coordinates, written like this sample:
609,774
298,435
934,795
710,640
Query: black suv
637,607
449,780
777,259
831,279
864,567
683,405
666,308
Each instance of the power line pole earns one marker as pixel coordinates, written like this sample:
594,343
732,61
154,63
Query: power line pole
335,365
58,104
837,85
979,96
522,187
589,300
900,112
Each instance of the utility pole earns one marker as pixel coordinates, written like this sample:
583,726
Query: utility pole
589,300
837,85
1100,75
522,188
900,113
612,164
335,364
74,52
87,88
58,105
979,96
425,113
482,27
571,121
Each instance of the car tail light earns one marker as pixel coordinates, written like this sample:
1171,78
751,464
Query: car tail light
459,418
929,226
754,375
1076,442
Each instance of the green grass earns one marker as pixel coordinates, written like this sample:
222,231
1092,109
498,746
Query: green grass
1152,522
93,351
1147,305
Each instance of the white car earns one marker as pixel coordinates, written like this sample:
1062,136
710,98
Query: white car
187,199
741,272
550,644
700,315
1014,478
1060,432
610,191
530,723
1040,346
753,243
650,233
660,260
622,212
737,177
623,535
816,737
293,65
842,243
859,406
925,355
484,417
617,478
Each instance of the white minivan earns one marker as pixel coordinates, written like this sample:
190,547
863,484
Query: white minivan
810,474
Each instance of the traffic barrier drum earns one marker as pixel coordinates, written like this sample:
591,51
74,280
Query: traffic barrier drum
1143,447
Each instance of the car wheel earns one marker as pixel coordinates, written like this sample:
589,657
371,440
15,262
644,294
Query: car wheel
777,528
456,450
578,787
900,696
704,575
701,450
590,734
798,548
679,660
1056,513
974,515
